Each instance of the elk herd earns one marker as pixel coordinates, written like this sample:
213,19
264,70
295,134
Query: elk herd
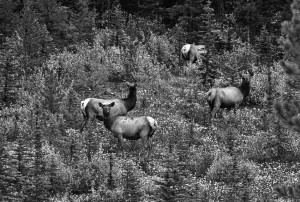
113,112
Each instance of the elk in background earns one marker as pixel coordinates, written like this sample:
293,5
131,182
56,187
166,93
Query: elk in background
193,53
228,97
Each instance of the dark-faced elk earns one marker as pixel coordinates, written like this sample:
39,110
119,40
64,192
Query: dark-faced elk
193,53
90,106
228,97
129,128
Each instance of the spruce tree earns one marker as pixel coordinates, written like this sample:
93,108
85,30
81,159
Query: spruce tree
7,178
173,186
132,185
52,91
23,155
37,189
167,191
10,72
11,178
209,71
288,110
8,18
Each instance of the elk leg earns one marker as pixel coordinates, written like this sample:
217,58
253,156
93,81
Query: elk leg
150,143
236,106
145,140
149,146
214,110
83,123
121,143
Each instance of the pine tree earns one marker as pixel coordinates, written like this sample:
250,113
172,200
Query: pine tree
292,191
37,188
55,185
167,187
23,155
10,72
84,20
288,110
266,52
69,107
132,185
172,187
52,91
9,15
11,177
34,38
189,17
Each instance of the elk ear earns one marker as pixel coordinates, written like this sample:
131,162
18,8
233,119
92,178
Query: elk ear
131,84
112,104
250,71
100,104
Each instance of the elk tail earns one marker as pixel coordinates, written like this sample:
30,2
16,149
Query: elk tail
83,105
153,124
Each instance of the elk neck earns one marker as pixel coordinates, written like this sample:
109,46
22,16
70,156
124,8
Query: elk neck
245,88
109,121
130,101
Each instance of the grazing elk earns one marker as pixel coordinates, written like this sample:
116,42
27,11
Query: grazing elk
228,97
193,53
90,106
129,128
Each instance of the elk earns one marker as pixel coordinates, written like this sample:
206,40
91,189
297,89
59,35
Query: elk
193,53
91,110
129,128
228,97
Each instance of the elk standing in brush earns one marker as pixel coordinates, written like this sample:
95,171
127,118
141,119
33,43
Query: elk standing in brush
90,106
228,97
129,128
193,53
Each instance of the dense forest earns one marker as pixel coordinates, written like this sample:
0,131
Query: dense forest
56,53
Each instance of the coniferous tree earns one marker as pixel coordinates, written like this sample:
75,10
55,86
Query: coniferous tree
132,185
84,20
288,111
35,39
7,177
69,107
167,191
13,179
172,187
56,184
23,154
292,191
209,71
52,91
189,15
38,189
266,52
10,72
